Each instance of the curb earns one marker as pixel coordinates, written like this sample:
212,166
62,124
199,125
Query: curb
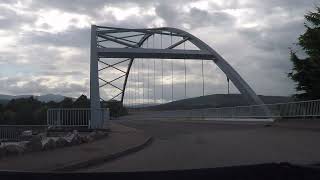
103,159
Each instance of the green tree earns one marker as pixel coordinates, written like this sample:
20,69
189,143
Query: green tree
39,116
52,104
306,71
81,102
66,103
1,113
23,110
9,117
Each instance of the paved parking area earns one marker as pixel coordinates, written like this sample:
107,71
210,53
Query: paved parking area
190,145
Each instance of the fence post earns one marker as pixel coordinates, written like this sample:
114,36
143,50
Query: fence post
58,118
232,112
48,117
304,112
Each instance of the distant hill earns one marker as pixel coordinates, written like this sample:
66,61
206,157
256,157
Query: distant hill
50,97
44,98
217,100
3,101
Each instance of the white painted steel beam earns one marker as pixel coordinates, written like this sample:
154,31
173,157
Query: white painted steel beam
95,116
153,53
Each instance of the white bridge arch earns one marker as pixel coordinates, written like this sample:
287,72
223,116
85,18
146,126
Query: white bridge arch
125,47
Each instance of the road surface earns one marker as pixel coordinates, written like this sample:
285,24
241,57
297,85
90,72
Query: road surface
190,145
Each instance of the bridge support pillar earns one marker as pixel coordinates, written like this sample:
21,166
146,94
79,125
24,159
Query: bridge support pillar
95,107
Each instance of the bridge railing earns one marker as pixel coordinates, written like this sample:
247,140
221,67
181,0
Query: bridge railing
300,109
72,117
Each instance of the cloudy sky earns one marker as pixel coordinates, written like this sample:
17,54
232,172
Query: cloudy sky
44,44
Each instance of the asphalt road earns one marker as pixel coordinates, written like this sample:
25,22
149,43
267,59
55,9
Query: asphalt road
189,145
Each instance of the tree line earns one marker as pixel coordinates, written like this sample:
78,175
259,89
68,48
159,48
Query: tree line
30,111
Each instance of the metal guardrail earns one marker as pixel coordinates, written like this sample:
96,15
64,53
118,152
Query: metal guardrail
64,117
15,132
71,117
300,109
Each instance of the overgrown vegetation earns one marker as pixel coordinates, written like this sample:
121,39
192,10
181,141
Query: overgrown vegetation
306,71
30,111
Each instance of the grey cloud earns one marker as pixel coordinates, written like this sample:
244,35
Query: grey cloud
62,73
260,54
11,20
91,8
196,18
131,22
205,18
73,37
279,37
287,4
77,6
10,86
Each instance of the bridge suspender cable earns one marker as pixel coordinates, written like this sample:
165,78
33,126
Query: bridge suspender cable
138,68
130,92
137,83
228,85
162,100
128,95
171,71
154,74
134,84
148,78
185,73
137,71
202,72
142,71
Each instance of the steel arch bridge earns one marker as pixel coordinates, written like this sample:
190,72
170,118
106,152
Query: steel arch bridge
127,43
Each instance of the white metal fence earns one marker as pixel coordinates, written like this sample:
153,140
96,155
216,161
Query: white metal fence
70,117
15,132
301,109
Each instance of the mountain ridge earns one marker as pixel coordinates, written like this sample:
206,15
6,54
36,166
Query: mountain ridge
217,100
4,98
